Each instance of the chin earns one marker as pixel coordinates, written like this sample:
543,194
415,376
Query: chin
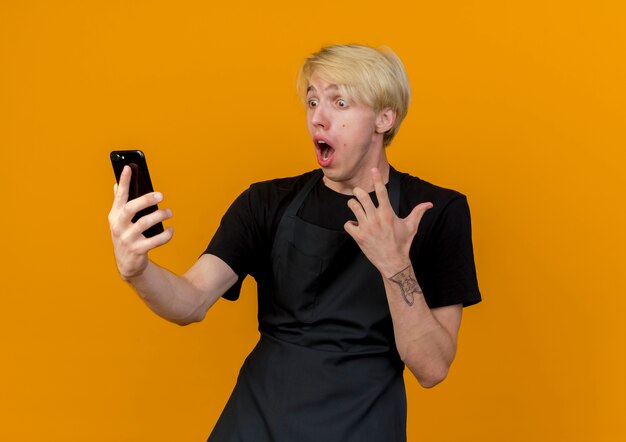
331,174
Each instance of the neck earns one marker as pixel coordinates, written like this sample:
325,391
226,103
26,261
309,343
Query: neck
362,179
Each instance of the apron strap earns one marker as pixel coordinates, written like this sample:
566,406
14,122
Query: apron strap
394,190
295,204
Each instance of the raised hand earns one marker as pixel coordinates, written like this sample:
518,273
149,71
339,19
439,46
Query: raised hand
383,237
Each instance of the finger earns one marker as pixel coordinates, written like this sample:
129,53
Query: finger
417,213
147,244
121,189
147,221
351,227
138,204
365,200
380,189
358,210
114,189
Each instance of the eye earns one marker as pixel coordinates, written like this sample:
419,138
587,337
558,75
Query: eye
313,102
342,103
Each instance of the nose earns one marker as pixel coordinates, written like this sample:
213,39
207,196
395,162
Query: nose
319,116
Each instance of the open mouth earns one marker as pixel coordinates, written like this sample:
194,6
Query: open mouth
325,150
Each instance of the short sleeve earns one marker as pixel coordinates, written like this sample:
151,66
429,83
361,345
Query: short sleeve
446,269
235,241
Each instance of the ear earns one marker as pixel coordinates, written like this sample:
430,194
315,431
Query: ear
385,120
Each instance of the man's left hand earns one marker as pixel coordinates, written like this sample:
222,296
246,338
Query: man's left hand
383,237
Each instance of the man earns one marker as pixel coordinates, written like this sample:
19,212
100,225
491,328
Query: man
349,292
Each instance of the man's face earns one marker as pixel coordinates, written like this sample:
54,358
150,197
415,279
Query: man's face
346,134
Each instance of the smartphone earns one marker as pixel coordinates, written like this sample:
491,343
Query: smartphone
140,182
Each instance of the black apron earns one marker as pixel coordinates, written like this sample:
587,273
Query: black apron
326,368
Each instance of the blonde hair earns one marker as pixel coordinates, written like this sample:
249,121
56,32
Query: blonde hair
368,75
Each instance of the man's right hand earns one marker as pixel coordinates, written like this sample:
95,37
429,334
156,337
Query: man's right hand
130,246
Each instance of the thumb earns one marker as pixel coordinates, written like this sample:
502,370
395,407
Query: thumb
416,215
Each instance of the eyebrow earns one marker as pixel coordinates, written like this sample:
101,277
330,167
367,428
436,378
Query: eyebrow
330,86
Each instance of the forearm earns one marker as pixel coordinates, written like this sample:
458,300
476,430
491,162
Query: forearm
425,346
171,296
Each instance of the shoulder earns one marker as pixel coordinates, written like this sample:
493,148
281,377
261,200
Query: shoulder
415,190
279,187
448,218
267,200
261,201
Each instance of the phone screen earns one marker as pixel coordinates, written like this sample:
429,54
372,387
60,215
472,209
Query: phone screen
140,182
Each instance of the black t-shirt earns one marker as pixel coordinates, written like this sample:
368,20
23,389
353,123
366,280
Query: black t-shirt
441,253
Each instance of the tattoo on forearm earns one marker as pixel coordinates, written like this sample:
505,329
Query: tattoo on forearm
408,285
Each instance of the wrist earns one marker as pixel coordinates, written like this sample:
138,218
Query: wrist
137,277
392,268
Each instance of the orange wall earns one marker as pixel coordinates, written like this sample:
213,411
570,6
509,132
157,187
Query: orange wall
519,104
